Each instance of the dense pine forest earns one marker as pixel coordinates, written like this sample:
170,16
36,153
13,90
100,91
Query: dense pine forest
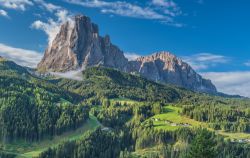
31,108
136,117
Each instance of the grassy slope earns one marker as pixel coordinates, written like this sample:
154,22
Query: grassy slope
172,113
123,101
27,150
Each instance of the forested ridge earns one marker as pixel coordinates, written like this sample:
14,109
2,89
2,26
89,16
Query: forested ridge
31,108
100,82
34,108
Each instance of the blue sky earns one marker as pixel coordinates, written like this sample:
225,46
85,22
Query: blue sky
211,35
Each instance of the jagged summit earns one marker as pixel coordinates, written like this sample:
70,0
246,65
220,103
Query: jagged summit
165,67
159,55
78,45
168,58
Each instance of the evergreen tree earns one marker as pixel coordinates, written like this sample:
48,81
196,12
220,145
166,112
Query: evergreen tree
203,145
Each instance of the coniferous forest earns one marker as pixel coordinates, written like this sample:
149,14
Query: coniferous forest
134,117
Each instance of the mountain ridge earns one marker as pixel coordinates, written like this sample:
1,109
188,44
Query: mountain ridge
78,45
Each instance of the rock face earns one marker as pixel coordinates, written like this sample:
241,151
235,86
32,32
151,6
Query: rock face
78,46
165,67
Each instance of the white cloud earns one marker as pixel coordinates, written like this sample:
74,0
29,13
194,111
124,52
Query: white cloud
235,83
127,9
3,13
164,3
131,56
75,75
169,7
21,56
203,61
48,6
16,4
52,27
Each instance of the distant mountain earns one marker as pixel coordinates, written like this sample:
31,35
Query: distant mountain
78,45
165,67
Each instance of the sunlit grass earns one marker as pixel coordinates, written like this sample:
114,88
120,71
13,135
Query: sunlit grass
172,113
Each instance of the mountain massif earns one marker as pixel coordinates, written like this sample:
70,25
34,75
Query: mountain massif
78,45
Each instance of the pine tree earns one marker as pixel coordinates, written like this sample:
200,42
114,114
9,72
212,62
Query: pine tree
203,145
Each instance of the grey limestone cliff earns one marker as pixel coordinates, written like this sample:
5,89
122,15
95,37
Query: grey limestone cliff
78,45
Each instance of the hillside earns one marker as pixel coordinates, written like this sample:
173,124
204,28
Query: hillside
32,109
137,117
101,82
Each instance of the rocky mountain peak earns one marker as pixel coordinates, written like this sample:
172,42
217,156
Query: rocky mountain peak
165,67
163,55
78,45
169,60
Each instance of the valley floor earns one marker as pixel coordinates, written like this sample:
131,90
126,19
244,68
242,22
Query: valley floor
170,119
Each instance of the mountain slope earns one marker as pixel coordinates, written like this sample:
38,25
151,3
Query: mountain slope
101,82
32,108
78,45
165,67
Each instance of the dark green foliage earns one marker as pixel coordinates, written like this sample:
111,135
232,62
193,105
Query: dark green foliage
102,82
203,145
97,144
6,155
32,108
23,117
11,68
220,116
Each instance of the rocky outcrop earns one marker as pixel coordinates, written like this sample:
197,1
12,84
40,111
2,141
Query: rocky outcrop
78,45
165,67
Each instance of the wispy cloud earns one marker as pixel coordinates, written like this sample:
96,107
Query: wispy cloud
169,7
131,56
3,13
21,56
16,4
164,3
75,75
52,26
48,6
203,61
235,83
133,10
